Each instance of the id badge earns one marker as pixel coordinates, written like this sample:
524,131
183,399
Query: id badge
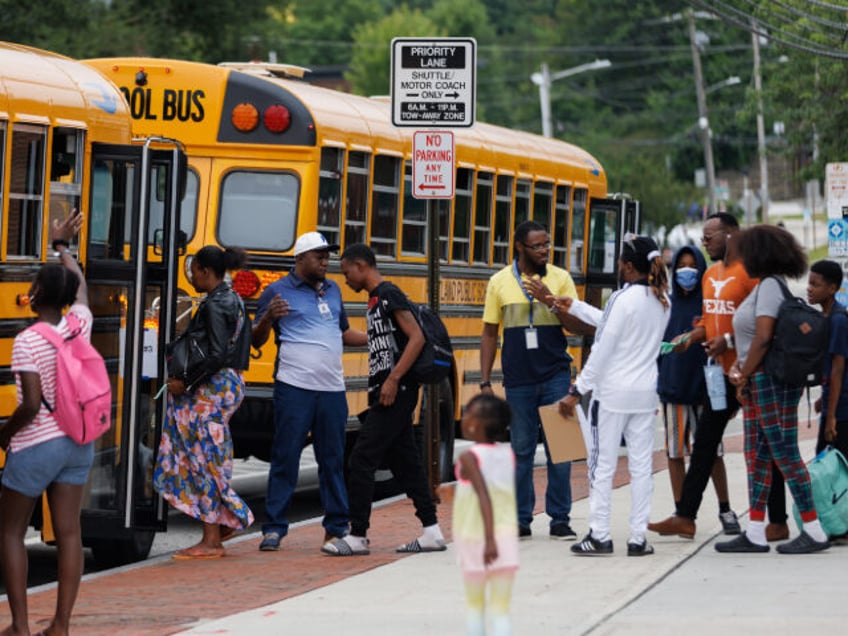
324,310
531,338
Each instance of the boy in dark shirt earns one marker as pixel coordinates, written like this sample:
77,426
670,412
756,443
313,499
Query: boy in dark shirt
394,342
824,281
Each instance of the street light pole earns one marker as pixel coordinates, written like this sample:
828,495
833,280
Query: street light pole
703,120
544,79
761,127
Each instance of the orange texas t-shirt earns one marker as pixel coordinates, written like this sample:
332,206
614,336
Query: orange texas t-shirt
724,288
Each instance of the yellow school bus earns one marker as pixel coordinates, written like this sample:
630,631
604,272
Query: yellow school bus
65,143
272,156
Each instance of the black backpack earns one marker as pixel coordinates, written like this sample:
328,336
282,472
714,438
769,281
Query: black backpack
436,358
799,345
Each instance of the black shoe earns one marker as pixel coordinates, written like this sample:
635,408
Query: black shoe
590,546
563,532
803,544
639,549
524,532
729,522
741,544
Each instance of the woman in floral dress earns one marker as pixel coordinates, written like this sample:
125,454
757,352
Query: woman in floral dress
195,461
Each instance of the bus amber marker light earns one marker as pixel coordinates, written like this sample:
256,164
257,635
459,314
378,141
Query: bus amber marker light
245,117
277,118
245,283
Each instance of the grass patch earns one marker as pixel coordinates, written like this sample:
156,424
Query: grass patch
817,253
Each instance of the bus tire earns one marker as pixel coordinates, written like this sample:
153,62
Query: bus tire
385,485
447,429
250,426
111,553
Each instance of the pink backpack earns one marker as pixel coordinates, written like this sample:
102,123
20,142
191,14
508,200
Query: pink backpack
83,406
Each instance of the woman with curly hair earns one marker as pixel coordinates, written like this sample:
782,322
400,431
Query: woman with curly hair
770,408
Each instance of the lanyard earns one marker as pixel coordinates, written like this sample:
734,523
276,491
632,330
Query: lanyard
523,291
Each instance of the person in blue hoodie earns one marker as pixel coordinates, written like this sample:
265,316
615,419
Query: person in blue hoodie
681,384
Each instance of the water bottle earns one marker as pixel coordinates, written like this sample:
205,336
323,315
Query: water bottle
716,388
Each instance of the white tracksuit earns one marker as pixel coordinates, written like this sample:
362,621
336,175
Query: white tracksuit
622,374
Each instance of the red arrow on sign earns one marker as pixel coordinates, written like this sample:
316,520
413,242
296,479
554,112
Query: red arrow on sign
432,187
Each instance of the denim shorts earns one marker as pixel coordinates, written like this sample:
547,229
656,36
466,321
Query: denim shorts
61,460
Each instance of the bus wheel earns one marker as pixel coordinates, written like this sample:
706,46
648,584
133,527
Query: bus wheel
447,429
111,553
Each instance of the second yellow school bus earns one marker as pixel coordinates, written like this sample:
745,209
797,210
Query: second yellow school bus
271,156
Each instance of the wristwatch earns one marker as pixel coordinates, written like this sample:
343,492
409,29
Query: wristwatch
486,385
572,390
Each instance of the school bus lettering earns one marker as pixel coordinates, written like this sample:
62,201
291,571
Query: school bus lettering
182,105
139,100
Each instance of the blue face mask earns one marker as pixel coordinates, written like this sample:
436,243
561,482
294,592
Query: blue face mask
686,277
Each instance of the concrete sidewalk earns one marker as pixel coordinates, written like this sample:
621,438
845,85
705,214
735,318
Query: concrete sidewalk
686,586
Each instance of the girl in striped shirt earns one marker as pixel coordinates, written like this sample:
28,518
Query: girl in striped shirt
39,456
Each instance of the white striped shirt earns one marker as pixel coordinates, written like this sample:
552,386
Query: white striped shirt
32,353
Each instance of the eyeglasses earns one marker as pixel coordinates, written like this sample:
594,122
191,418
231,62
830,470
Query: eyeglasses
538,247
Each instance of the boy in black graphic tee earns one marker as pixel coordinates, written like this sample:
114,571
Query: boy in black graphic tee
385,342
394,342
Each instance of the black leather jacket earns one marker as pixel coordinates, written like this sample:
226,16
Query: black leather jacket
214,326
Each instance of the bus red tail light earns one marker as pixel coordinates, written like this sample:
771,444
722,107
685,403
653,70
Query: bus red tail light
245,283
245,117
277,118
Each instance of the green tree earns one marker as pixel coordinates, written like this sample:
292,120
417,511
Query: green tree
370,65
319,32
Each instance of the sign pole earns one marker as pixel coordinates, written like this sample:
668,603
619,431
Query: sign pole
432,436
433,86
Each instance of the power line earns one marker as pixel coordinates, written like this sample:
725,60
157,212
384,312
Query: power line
754,24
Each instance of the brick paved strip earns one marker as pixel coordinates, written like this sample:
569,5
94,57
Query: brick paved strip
165,596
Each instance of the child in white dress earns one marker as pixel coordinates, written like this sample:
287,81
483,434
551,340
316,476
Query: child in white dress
484,512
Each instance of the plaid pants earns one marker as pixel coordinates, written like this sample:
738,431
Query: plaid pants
771,433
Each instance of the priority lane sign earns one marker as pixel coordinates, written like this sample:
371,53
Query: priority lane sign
433,82
433,164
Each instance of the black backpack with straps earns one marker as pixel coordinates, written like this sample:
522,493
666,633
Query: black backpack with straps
799,344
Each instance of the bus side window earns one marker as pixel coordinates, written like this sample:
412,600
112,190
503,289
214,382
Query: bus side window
461,252
444,208
414,223
503,218
578,230
559,235
522,201
385,205
483,217
2,166
330,193
356,216
542,199
26,191
65,173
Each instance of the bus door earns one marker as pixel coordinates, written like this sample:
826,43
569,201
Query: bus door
133,240
609,221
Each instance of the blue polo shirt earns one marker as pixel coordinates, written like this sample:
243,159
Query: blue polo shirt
309,338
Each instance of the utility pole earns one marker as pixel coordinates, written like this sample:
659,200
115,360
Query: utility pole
703,118
761,127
